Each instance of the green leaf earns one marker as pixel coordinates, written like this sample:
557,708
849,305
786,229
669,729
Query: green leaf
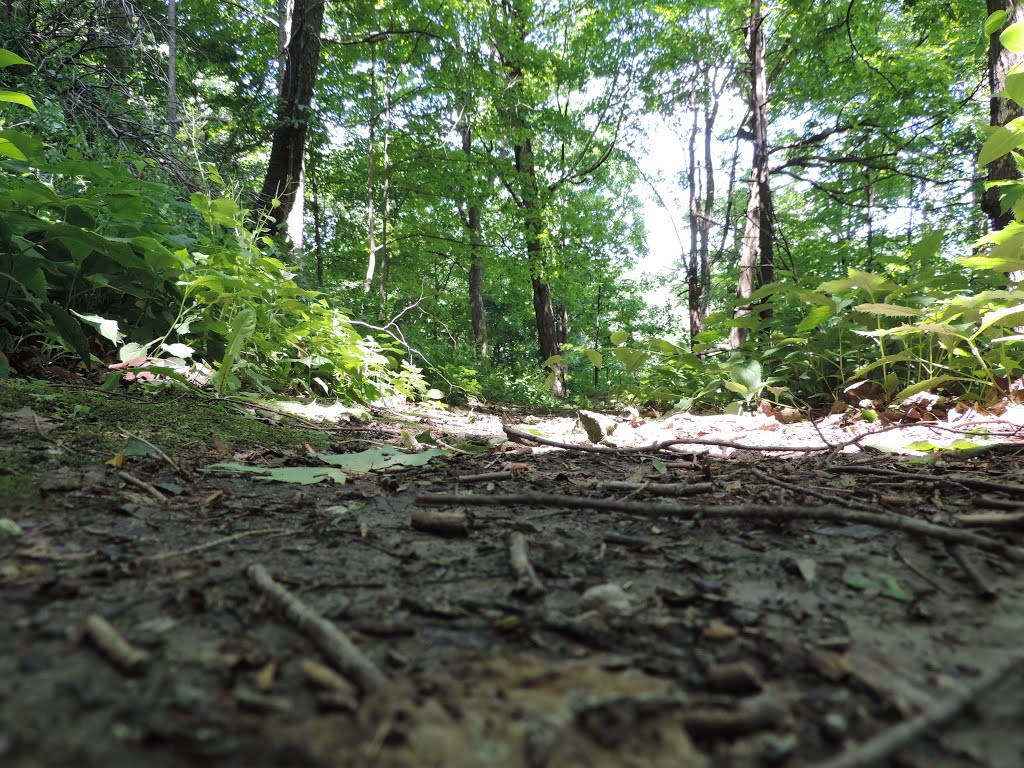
13,97
69,331
1013,87
379,458
1012,37
927,245
818,315
994,22
1000,264
631,358
747,373
735,386
594,356
1011,316
898,357
299,475
553,361
242,327
8,149
1003,139
921,386
9,58
106,328
620,337
888,310
857,280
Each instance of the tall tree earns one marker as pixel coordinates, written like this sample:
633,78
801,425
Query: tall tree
757,264
282,185
1001,111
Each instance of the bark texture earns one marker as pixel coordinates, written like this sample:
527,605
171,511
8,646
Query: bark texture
756,257
283,181
1001,111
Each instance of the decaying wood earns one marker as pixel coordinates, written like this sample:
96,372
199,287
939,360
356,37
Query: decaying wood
876,750
527,582
722,511
991,520
334,644
113,645
442,523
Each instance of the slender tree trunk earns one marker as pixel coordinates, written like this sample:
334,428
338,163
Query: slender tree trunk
477,312
526,186
756,258
285,11
317,230
533,216
597,331
371,225
385,200
172,68
1001,111
694,286
288,148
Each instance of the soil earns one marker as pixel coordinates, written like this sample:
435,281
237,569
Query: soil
746,597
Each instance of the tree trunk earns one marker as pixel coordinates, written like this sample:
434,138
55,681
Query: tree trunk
477,312
172,68
385,200
283,181
1001,111
371,225
756,258
317,229
694,286
525,187
547,336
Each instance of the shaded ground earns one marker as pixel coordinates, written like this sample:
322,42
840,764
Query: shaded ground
724,608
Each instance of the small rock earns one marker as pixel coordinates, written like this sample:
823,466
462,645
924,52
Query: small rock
607,598
190,698
834,726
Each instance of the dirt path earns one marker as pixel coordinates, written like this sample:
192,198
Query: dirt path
724,607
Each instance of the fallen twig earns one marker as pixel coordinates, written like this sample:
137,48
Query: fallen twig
961,479
159,451
527,583
746,511
876,750
978,579
831,499
128,477
659,489
336,646
991,520
519,435
113,645
486,477
217,543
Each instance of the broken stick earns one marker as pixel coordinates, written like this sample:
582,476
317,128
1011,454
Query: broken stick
113,645
527,583
334,644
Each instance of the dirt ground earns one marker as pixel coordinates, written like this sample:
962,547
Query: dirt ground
754,598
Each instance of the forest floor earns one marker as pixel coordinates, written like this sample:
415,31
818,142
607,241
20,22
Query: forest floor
746,597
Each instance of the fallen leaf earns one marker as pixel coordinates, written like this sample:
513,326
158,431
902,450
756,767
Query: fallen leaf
27,420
